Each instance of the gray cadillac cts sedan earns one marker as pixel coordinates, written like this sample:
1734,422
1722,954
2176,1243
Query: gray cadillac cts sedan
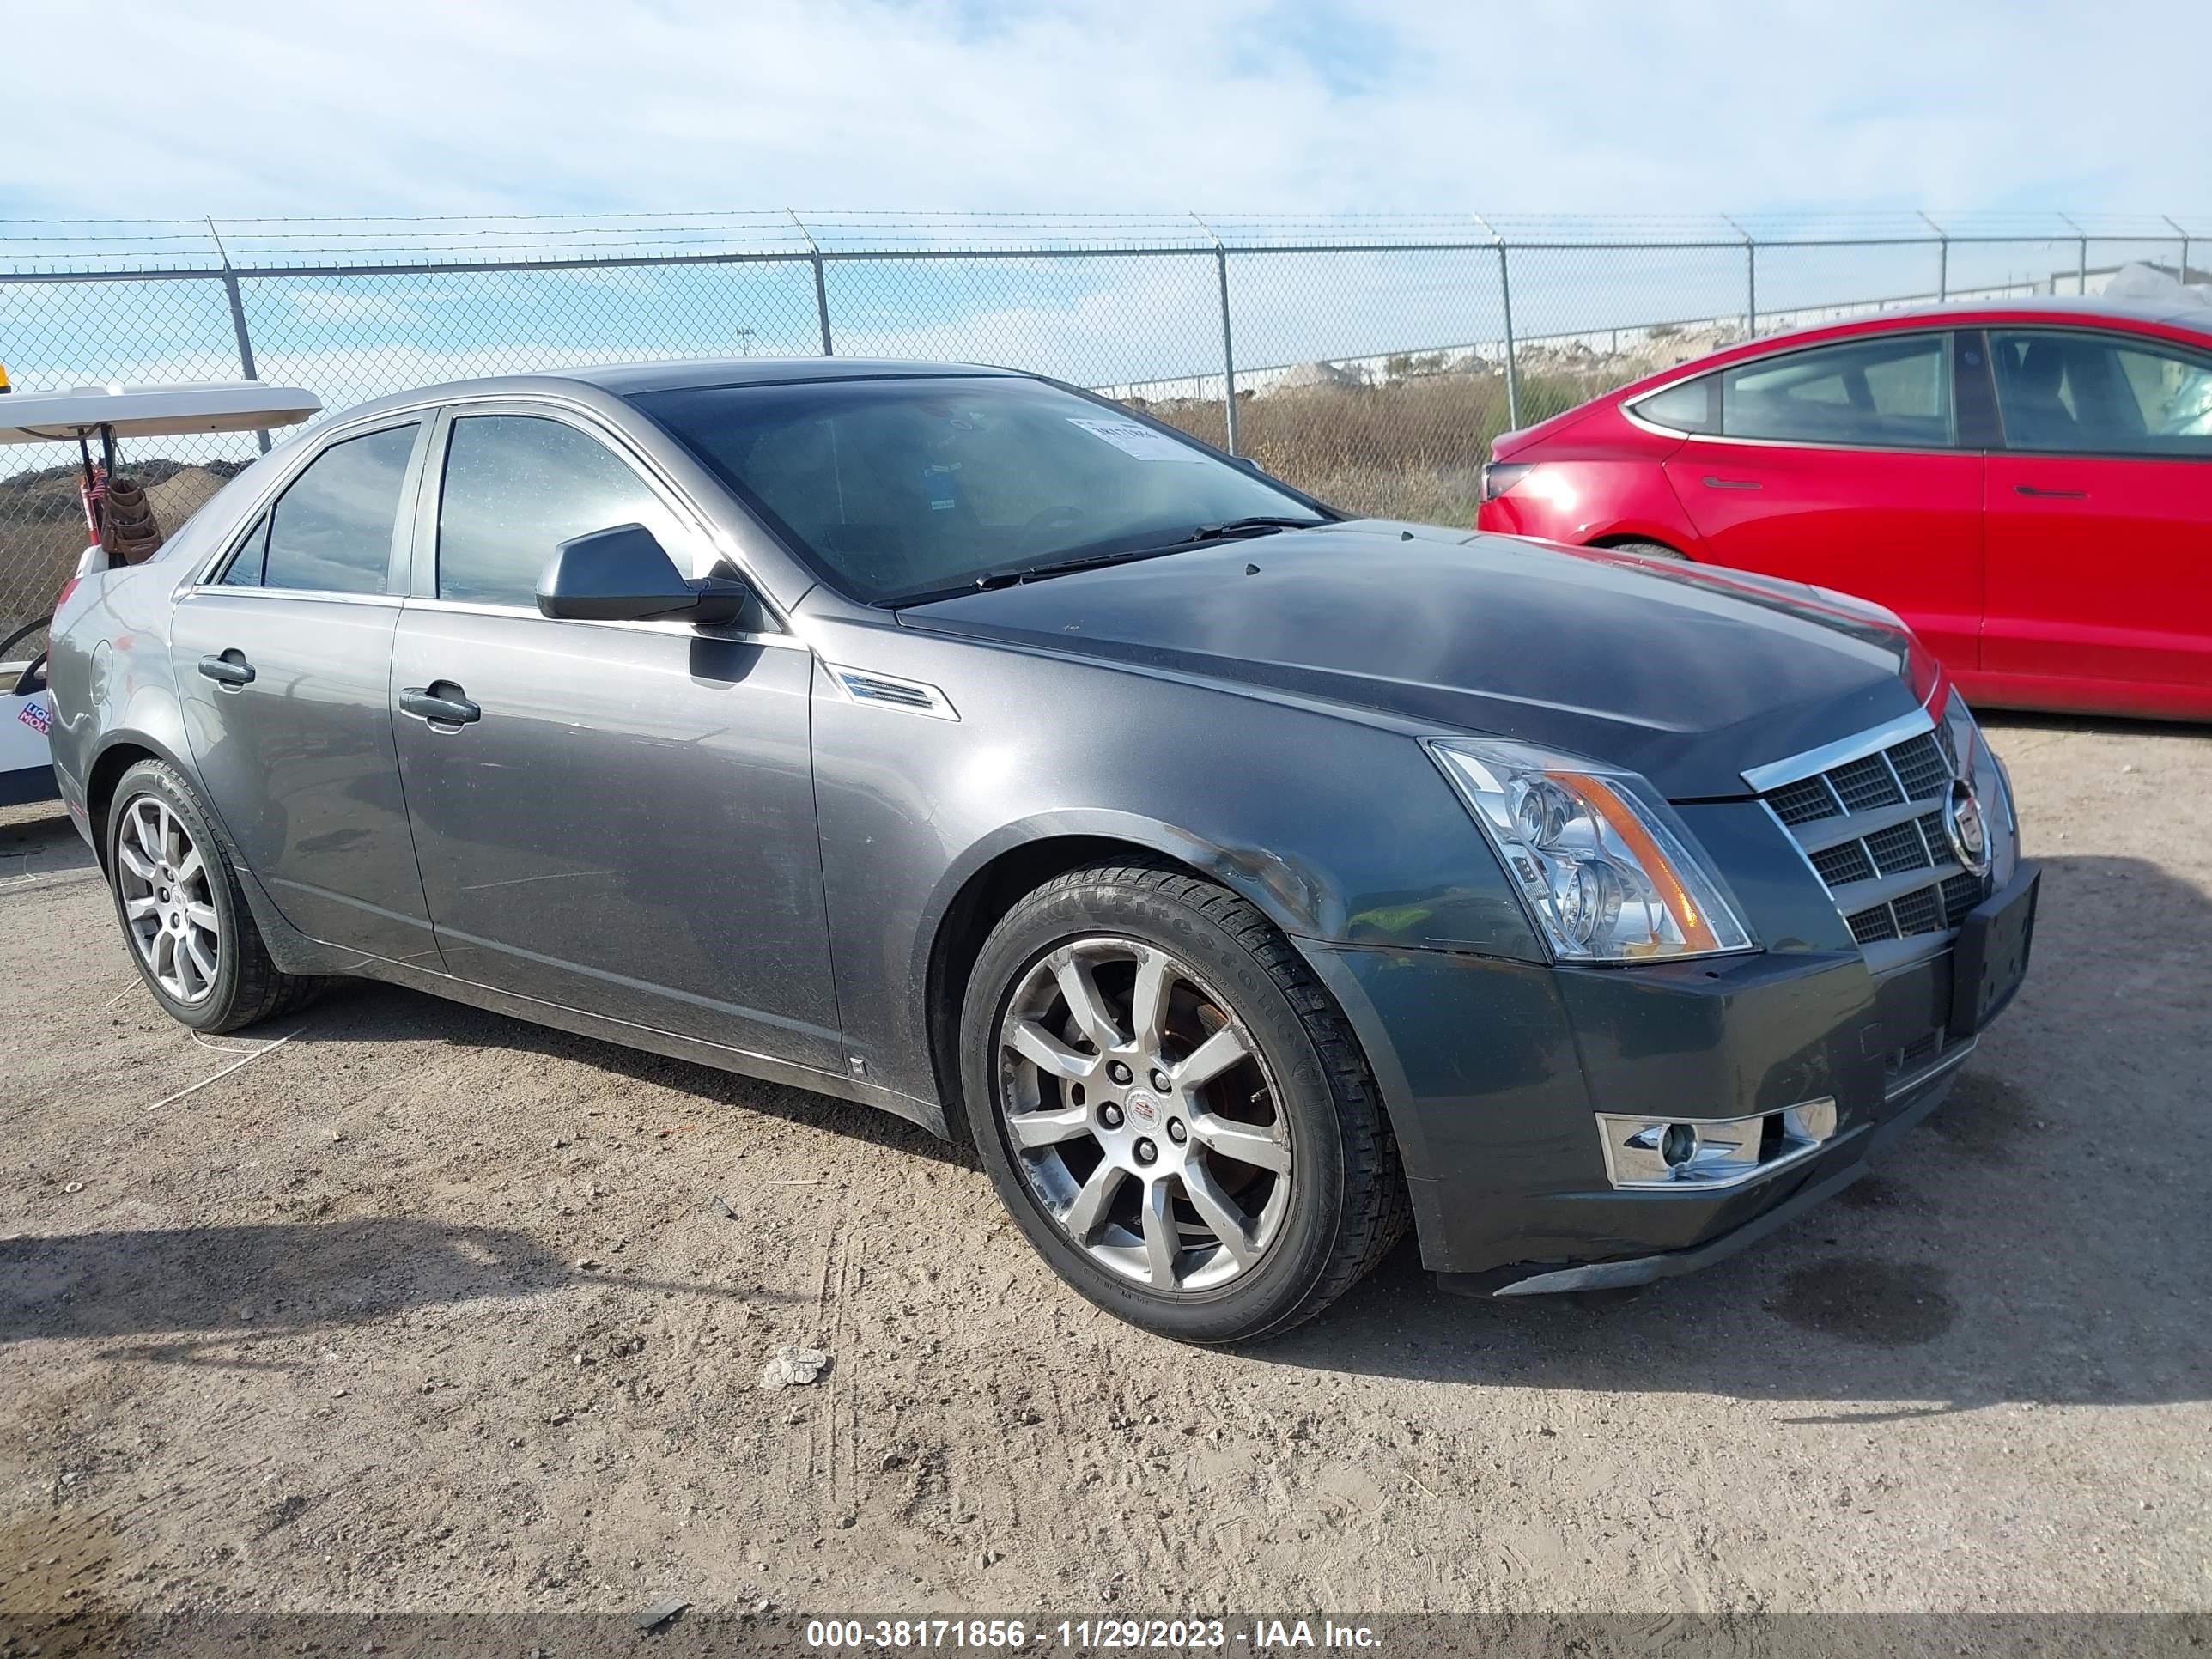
1245,882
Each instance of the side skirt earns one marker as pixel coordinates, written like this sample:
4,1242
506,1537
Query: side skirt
296,953
926,1113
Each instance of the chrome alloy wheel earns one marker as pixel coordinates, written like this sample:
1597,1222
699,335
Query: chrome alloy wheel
1142,1115
168,907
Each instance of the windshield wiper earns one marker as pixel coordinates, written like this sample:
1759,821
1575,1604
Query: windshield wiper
1256,524
1029,573
1014,575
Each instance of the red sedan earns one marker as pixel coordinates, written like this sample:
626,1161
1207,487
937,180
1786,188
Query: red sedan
2029,484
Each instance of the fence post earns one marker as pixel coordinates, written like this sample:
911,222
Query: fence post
2082,269
821,284
1228,346
1505,303
1750,276
237,321
2183,235
1942,258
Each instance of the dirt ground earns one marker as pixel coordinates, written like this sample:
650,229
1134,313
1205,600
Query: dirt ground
427,1310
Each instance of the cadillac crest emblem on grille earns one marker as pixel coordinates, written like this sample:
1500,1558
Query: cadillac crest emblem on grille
1963,825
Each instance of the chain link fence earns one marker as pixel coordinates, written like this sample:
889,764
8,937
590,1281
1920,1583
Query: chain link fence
1368,359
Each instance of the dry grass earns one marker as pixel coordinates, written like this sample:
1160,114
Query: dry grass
1407,449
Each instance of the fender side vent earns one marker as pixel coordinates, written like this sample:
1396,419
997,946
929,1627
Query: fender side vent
886,691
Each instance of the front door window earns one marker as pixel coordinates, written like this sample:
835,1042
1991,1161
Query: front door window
2062,392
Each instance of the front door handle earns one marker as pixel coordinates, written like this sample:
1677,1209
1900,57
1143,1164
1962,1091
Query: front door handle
230,669
1731,483
441,702
2062,495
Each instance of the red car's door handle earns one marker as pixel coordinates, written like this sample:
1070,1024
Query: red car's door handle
2067,495
1731,483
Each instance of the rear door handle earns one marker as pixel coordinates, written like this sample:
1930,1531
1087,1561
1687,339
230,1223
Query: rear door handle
231,669
441,702
1731,483
2062,495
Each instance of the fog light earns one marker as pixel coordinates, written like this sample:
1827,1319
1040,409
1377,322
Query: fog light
1701,1154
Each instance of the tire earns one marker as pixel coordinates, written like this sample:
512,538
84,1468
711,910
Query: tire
165,863
1650,550
1258,1206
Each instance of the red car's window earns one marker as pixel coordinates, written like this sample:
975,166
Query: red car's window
1891,391
2073,393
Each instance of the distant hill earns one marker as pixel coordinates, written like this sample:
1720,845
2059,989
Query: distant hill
42,523
51,492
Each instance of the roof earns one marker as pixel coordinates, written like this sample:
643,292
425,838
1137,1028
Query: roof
627,378
2180,309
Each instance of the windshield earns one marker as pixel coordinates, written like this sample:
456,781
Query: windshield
899,488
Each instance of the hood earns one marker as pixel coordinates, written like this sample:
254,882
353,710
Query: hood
1686,674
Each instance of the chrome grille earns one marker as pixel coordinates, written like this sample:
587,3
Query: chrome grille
1922,771
1898,848
1846,863
1961,894
1865,826
1864,784
1803,801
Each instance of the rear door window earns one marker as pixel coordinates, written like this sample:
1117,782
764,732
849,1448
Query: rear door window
330,532
1892,392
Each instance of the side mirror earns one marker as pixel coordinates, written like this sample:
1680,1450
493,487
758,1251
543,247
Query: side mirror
624,574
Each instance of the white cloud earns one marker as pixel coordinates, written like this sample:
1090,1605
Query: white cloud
246,106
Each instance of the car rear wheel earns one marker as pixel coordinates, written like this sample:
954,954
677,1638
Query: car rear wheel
1650,550
1173,1110
182,912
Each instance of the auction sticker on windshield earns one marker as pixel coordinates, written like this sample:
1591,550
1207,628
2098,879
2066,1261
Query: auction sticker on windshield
1132,439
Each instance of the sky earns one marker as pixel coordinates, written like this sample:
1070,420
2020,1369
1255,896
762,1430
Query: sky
240,107
1163,110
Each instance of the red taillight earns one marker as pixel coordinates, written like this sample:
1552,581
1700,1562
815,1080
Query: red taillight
61,597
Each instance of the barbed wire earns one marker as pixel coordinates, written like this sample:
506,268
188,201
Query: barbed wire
155,245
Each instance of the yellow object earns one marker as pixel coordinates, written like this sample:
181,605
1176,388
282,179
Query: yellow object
4,387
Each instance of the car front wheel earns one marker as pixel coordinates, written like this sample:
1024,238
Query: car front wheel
182,913
1172,1108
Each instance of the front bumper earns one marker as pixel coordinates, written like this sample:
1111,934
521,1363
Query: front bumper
1496,1075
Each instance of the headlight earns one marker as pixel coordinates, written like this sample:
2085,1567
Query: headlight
1976,762
1599,861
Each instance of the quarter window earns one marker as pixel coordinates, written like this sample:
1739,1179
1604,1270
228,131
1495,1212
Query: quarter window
1891,391
2085,394
330,532
1684,408
517,486
246,565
